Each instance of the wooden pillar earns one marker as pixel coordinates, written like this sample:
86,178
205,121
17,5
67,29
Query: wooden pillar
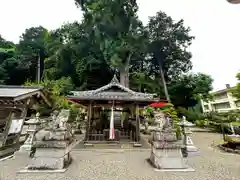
89,117
137,123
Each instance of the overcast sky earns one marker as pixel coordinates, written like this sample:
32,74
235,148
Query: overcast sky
214,23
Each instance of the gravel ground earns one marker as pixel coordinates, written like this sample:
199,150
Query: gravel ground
130,165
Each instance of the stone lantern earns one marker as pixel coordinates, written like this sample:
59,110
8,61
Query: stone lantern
189,147
34,125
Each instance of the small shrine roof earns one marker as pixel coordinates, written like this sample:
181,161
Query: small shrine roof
112,91
18,93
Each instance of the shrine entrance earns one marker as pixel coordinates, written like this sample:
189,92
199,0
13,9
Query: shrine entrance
113,112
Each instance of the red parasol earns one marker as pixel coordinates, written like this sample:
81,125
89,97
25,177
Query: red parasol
159,104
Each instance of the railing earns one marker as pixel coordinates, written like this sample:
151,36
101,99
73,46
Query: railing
104,135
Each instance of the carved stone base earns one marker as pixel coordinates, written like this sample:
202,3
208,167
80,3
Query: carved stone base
167,159
50,159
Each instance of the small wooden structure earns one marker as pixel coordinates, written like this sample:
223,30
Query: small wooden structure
15,103
126,104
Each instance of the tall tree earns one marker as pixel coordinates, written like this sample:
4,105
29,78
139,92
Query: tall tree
74,52
117,30
168,48
9,74
187,90
30,49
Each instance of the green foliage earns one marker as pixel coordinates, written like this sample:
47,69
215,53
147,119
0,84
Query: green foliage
170,111
201,123
110,39
227,117
148,113
236,90
192,87
55,91
190,115
168,43
233,140
32,47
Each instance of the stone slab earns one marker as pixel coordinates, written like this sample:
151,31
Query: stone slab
48,163
167,159
166,145
52,144
42,171
189,169
52,153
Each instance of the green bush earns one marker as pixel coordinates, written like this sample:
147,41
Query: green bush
201,123
190,115
220,128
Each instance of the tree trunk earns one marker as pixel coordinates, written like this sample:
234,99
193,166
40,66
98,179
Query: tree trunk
124,77
124,73
164,84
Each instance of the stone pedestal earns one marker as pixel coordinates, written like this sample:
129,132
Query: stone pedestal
53,152
167,159
166,151
53,145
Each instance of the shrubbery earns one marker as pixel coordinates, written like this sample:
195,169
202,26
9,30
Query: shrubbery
190,115
55,90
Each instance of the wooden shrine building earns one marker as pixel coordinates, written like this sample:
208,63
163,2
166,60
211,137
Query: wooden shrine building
113,97
15,103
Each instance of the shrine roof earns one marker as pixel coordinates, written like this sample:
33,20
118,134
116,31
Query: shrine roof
17,93
112,91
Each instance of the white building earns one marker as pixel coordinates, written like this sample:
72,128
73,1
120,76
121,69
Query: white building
223,101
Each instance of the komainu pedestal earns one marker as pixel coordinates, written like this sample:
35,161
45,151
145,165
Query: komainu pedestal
53,146
166,153
52,153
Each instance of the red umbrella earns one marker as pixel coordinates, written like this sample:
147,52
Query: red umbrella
159,104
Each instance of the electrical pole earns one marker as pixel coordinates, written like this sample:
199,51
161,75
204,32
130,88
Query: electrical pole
39,69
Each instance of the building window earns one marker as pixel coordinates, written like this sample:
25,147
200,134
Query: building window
220,96
206,107
222,106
